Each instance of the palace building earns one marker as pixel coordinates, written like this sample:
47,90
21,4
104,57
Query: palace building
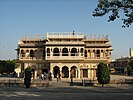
67,53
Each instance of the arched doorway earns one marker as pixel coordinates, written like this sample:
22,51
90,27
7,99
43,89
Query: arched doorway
73,52
65,72
74,72
56,71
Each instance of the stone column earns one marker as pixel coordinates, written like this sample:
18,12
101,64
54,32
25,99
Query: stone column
69,53
51,52
35,74
60,52
79,73
69,72
51,71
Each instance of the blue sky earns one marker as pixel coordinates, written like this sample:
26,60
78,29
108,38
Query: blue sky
19,17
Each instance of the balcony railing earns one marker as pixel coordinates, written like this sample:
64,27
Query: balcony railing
31,58
64,56
96,44
65,35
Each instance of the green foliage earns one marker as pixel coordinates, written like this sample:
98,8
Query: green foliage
7,66
27,79
103,74
131,64
129,70
116,8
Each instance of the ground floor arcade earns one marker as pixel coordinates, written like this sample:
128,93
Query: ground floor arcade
65,70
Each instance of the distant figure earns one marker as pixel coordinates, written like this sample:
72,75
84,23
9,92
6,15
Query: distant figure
59,76
50,76
71,77
45,74
47,80
42,76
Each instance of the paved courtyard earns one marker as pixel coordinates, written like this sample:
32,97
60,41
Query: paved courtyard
62,91
114,92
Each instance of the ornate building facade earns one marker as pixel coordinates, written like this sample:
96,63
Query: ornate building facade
67,53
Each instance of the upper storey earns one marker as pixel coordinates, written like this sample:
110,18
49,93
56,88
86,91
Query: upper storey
65,35
56,46
32,41
65,38
97,41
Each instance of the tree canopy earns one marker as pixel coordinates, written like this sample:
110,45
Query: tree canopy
116,9
7,66
131,64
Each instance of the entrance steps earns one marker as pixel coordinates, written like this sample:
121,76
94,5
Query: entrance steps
60,83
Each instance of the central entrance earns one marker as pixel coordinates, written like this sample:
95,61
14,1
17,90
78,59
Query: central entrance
65,72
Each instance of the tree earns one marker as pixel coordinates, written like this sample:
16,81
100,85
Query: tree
129,70
27,79
116,8
131,64
103,74
7,66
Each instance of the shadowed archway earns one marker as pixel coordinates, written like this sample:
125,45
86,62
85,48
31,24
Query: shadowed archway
65,72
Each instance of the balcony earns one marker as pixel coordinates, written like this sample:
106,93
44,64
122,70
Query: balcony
64,56
30,44
31,58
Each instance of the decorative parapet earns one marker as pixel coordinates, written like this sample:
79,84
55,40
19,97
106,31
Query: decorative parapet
65,35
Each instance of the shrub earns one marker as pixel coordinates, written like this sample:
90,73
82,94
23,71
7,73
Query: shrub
27,78
103,74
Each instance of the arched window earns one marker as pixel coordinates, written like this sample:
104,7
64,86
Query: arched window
27,53
85,53
56,52
97,53
22,53
102,54
81,50
64,52
32,54
48,52
73,52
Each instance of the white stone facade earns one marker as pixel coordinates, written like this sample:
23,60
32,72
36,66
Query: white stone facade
64,53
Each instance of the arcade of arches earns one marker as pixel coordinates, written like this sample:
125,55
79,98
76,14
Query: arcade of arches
66,72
